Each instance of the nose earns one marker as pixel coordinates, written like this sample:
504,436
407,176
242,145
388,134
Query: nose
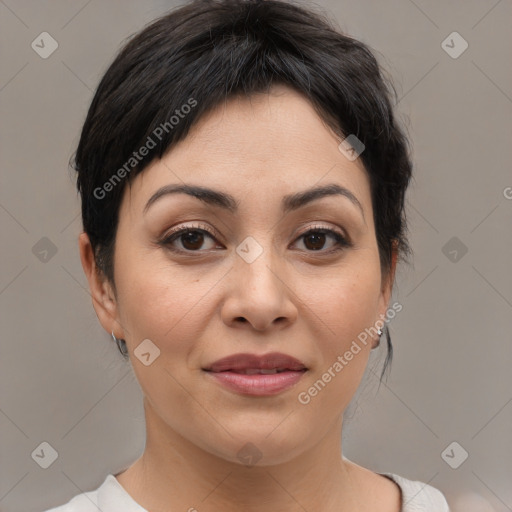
259,294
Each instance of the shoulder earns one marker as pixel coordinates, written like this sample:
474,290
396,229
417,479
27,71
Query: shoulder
408,495
110,496
84,502
419,496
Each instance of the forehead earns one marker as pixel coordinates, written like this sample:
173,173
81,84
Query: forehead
265,145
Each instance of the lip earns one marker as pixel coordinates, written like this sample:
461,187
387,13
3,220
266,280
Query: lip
230,372
245,361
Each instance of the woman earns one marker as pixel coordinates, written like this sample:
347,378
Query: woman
242,179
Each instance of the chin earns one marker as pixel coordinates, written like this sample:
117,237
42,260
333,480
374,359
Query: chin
268,446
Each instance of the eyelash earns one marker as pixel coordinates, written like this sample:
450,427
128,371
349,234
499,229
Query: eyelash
341,242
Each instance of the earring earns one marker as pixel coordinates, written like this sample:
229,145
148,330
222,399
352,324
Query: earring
121,345
379,332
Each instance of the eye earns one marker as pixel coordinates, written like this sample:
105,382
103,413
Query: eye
315,239
192,238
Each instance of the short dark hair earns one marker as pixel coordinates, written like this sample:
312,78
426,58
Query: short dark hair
207,51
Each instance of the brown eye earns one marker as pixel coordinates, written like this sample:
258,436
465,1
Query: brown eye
192,239
315,240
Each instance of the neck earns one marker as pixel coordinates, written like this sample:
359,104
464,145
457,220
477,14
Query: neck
175,474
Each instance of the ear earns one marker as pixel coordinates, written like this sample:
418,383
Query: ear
102,292
387,285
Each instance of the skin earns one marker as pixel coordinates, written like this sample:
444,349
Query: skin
197,308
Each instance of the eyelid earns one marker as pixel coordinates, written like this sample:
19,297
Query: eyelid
191,227
320,227
342,239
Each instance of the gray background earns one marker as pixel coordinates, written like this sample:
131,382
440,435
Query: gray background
62,380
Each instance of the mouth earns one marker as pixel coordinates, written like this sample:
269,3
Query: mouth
250,374
257,371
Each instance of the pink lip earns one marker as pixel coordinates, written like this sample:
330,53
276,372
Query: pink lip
226,371
258,385
239,362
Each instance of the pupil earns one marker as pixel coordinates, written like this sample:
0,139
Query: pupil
320,240
193,237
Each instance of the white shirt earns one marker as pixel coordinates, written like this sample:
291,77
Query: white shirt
112,497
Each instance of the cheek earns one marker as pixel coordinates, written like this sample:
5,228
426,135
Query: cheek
343,356
161,303
344,303
343,308
171,311
358,303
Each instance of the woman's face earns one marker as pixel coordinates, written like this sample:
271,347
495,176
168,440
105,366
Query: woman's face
245,280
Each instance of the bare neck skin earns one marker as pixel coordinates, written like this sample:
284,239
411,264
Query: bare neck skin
174,474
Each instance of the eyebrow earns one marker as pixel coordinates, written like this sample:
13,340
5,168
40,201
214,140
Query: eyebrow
228,202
